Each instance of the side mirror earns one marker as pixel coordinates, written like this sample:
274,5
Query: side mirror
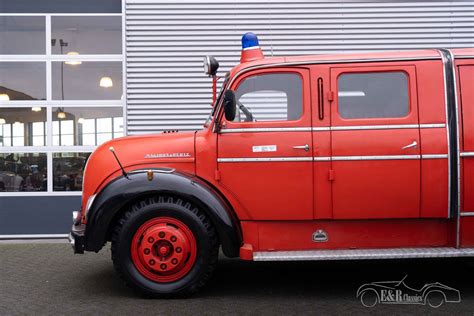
229,105
210,66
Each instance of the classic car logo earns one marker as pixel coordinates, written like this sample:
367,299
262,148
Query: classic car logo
397,292
168,155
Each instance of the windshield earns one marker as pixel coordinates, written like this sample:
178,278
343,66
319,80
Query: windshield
214,106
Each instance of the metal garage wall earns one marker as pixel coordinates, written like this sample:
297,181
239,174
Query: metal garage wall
166,41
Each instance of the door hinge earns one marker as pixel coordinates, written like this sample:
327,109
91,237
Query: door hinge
331,175
217,175
330,96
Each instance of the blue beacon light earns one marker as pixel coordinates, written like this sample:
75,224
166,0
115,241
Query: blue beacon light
249,40
250,48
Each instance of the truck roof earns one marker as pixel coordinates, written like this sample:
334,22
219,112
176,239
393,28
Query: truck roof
402,55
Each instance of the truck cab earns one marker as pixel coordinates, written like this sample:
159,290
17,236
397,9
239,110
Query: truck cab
324,157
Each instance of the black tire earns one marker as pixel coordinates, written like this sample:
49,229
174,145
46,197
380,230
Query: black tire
172,207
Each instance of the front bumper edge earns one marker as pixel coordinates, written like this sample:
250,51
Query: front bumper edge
76,238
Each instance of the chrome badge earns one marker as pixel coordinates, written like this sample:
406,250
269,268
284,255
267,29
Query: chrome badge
320,236
168,155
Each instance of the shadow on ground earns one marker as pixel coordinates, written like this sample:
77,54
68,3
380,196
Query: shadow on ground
48,278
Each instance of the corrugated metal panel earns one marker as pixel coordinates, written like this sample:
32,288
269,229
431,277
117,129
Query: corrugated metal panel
166,41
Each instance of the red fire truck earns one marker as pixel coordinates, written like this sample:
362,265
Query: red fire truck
326,157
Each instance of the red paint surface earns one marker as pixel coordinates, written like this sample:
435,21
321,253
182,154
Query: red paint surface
361,204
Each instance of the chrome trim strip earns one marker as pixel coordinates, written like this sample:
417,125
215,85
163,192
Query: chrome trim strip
435,156
324,129
443,59
467,213
335,158
321,158
265,129
384,157
356,254
458,150
464,56
270,159
468,154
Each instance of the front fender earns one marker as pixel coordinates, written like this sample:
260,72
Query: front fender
122,192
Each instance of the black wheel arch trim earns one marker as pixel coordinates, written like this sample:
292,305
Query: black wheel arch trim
123,192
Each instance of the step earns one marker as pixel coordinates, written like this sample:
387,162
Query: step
360,254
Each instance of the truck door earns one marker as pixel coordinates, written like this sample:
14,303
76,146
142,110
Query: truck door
265,159
375,142
466,76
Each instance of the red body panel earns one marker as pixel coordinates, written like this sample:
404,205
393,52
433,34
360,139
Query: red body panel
359,203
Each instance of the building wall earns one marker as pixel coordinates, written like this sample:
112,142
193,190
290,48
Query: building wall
167,40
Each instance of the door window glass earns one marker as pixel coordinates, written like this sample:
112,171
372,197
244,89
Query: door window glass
373,95
272,97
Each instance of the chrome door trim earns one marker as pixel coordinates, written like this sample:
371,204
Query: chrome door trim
325,129
435,156
381,157
270,159
333,158
467,213
264,129
467,154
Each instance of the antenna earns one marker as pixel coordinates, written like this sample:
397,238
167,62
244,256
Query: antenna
112,150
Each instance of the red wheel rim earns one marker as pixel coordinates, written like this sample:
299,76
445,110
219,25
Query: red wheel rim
163,249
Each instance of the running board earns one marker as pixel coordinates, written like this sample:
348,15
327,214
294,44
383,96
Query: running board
360,254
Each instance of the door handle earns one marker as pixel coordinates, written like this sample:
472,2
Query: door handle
412,145
305,147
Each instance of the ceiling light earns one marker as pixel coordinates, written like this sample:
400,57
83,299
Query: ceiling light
17,123
4,97
61,115
73,62
36,109
106,82
81,120
2,121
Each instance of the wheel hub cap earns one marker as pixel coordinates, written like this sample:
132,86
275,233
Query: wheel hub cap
163,249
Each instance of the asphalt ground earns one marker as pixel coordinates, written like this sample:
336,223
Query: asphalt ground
47,279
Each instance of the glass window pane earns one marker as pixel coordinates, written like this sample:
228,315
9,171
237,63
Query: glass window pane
85,126
60,6
20,126
68,169
22,81
86,35
22,35
87,81
373,95
273,97
23,172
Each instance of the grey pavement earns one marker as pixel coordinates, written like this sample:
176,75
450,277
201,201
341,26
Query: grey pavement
47,279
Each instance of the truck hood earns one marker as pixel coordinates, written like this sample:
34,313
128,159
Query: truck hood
135,152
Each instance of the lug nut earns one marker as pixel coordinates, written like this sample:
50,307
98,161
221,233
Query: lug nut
161,234
151,239
178,250
163,266
147,251
152,262
174,261
173,238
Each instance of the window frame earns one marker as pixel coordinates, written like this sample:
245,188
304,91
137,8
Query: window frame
49,103
408,70
303,121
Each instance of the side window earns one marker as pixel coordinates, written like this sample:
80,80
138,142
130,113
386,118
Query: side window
373,95
270,97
